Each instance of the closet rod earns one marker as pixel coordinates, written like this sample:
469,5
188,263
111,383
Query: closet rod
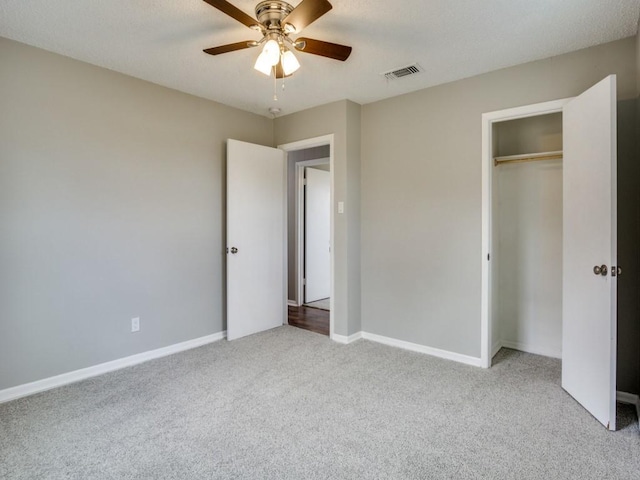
528,157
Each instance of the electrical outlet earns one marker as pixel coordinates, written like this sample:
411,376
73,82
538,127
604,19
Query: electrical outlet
135,324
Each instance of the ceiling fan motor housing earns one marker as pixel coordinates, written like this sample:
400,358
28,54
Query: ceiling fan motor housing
270,13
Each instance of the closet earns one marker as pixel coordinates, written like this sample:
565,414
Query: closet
549,239
526,214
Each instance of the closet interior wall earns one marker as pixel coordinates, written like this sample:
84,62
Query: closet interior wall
527,237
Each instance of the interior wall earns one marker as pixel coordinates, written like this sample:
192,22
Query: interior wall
421,192
628,248
342,120
629,238
111,207
542,133
354,214
638,58
292,244
529,238
637,137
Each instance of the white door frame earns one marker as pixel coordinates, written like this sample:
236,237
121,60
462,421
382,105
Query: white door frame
300,248
301,145
488,119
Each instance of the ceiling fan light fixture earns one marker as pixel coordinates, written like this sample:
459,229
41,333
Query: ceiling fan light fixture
276,20
263,65
272,52
289,63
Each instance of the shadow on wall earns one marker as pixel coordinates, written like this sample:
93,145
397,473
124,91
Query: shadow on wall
628,375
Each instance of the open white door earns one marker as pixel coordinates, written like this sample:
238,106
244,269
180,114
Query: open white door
317,235
589,241
255,238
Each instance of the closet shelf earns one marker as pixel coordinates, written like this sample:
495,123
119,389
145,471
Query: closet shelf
528,157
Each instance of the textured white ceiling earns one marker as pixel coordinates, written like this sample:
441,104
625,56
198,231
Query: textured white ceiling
162,40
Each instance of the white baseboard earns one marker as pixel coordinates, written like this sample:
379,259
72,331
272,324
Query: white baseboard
628,398
84,373
292,303
346,340
414,347
523,347
495,349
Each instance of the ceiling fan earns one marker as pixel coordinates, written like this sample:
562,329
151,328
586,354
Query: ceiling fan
277,20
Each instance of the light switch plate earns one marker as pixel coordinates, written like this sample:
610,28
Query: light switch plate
340,207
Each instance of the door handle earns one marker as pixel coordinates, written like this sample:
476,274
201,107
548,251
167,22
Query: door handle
234,250
616,271
600,270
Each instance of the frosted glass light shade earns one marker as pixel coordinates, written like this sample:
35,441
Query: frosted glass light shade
263,65
289,63
272,51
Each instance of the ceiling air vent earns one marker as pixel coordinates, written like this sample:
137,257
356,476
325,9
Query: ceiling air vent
403,72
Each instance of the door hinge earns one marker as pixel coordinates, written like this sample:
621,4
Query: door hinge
488,257
304,181
304,281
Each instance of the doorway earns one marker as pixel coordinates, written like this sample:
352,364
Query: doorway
314,242
527,231
504,133
310,234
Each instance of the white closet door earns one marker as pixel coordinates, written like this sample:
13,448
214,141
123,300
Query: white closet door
255,238
589,240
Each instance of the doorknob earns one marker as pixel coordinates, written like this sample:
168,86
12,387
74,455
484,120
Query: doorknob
600,270
235,250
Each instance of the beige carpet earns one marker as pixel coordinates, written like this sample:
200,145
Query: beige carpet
291,404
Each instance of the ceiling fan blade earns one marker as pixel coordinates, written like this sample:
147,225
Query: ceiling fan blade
234,12
325,49
307,12
232,47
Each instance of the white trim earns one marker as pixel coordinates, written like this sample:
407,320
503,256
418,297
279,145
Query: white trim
292,303
487,164
84,373
310,143
628,398
414,347
346,340
299,235
307,143
523,347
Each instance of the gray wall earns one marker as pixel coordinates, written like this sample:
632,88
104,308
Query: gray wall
292,245
628,248
542,133
343,120
111,206
421,192
638,58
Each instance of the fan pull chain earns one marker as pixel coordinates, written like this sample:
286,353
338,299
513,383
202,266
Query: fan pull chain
275,85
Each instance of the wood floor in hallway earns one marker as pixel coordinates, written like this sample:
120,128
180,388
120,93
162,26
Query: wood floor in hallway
308,318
